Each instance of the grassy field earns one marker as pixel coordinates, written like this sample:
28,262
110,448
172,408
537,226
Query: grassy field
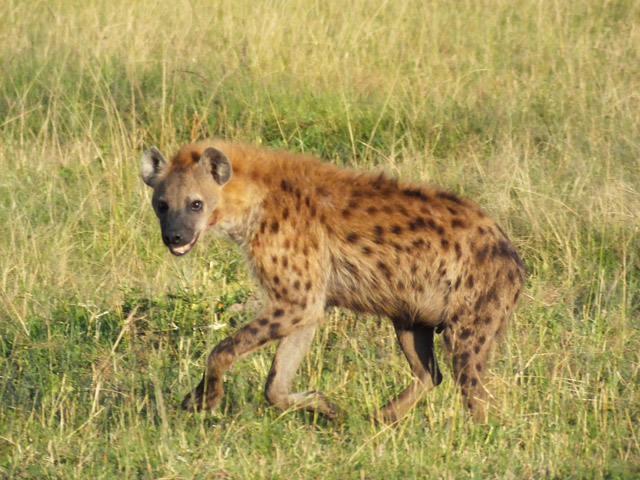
530,108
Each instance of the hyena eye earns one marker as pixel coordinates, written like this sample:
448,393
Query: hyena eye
162,206
196,206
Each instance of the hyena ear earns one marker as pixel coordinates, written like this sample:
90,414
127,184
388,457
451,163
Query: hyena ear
152,164
217,163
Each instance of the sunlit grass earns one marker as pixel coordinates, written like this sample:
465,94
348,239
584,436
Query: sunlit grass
530,108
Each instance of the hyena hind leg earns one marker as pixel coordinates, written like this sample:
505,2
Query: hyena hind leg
289,354
470,349
416,342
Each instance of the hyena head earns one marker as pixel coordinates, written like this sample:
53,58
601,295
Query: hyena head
185,193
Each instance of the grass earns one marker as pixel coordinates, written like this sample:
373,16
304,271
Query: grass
530,108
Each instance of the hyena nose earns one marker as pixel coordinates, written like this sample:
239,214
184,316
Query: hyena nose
173,239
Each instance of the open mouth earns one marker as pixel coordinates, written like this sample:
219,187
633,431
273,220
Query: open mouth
178,251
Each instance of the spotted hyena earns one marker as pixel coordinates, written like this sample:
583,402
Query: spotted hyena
318,236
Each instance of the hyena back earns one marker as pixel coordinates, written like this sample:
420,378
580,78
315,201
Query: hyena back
319,236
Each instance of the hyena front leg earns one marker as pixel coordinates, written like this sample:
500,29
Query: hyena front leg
274,323
291,350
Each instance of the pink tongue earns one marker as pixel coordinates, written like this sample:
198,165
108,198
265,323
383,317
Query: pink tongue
183,249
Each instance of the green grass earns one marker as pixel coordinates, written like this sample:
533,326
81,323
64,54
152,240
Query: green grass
530,108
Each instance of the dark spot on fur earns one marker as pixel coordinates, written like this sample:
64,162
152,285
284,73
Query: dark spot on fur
463,379
372,210
296,285
415,193
276,279
481,255
455,223
366,250
434,226
285,262
275,226
492,294
481,231
352,237
474,381
476,349
479,302
396,229
470,281
482,339
345,213
263,226
466,333
296,321
445,243
252,330
263,321
278,313
313,211
274,259
262,341
378,230
454,318
452,211
274,328
307,286
479,367
420,223
383,267
457,284
449,196
464,359
284,186
285,214
458,250
387,209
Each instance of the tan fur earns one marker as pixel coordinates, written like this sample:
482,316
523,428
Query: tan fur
318,236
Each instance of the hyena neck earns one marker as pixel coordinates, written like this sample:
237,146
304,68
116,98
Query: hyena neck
241,203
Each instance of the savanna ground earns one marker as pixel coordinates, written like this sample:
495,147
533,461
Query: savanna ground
530,108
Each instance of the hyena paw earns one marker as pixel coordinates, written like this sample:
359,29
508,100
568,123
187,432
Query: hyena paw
322,405
198,400
192,401
385,416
